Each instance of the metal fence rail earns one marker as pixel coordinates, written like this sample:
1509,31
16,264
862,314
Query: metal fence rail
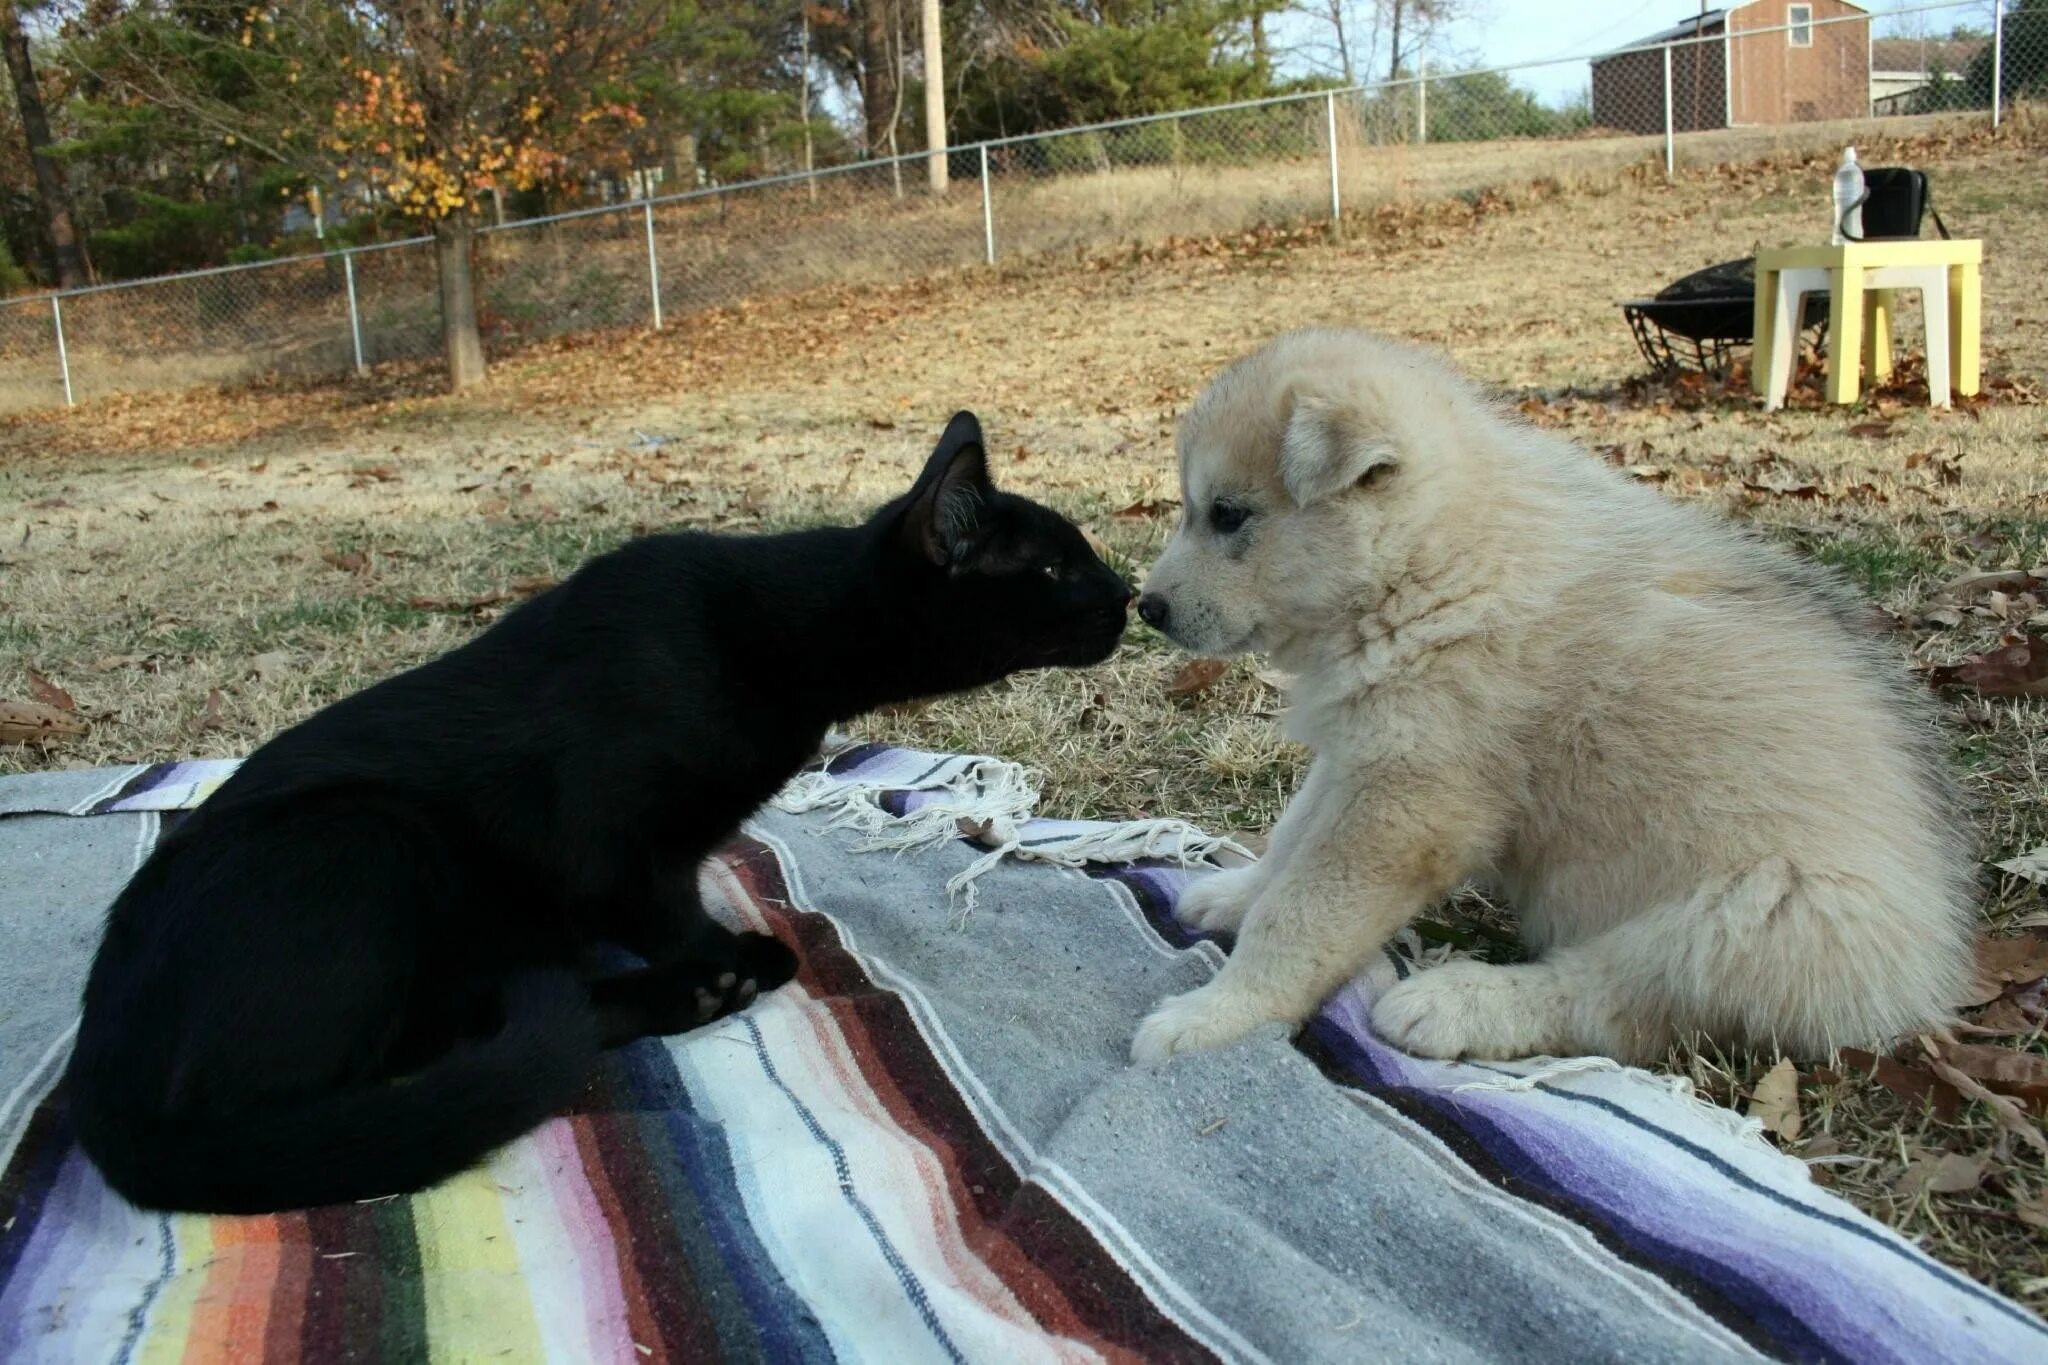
1698,99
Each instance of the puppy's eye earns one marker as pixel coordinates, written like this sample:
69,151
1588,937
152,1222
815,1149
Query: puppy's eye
1226,517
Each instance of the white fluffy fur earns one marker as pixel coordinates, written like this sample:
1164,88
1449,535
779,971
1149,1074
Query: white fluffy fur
1678,752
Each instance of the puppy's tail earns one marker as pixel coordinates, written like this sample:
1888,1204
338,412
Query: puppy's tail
389,1138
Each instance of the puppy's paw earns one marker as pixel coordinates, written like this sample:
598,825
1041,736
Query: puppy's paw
1218,903
1472,1009
1196,1022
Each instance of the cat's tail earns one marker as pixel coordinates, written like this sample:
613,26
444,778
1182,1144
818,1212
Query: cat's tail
389,1138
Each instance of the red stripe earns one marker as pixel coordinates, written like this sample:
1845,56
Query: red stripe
663,1307
1050,1260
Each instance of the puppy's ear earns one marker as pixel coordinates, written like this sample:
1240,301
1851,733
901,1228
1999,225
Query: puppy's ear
1326,451
947,500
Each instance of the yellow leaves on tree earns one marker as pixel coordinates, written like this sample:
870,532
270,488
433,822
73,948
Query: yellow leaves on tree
431,171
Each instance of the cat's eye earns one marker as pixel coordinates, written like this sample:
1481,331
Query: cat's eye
1227,517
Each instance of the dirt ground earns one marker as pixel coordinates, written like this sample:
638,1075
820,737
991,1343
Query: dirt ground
195,571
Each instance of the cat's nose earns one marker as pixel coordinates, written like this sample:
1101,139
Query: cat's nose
1154,609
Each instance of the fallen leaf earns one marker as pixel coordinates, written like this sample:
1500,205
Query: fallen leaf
1944,618
114,661
2023,958
271,666
364,475
1973,586
354,561
1947,472
1949,1173
1648,473
1871,430
2009,1115
1917,1087
48,693
1146,507
2033,1210
2022,1075
2019,669
29,722
1196,675
1802,491
210,718
1775,1101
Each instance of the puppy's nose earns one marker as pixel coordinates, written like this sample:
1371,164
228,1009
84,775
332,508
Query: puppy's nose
1154,609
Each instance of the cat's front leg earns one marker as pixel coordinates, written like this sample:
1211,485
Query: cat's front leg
721,976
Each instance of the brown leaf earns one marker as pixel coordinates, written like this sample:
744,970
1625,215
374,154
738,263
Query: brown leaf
2010,1116
2020,959
2022,1075
1803,491
354,561
1196,675
1147,507
1973,586
364,475
29,722
2033,1210
48,693
1915,1086
1775,1101
1949,1173
2015,670
1871,430
210,718
1947,472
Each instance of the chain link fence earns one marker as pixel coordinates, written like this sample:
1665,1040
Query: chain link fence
1708,91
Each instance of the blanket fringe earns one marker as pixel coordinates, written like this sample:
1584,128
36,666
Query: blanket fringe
990,801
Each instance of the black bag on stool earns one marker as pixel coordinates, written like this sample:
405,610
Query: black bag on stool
1894,199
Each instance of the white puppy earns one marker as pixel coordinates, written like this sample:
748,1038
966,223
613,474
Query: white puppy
1678,752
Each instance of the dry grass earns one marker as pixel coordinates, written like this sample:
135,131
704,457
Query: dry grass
158,550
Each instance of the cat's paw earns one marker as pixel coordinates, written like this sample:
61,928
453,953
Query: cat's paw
1198,1021
1218,903
1471,1009
765,962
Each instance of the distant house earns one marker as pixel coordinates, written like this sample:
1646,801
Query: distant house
1728,75
1903,69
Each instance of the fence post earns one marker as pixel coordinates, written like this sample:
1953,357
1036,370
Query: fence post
1421,99
63,356
1336,196
355,316
1669,159
1997,57
653,266
988,214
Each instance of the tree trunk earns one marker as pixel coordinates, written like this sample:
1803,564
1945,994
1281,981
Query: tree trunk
67,257
934,97
461,344
1262,65
877,68
1394,62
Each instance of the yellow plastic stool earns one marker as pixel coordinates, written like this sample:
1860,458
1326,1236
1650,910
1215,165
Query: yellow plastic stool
1860,279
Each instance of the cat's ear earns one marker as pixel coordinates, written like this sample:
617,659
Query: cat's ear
1327,449
947,500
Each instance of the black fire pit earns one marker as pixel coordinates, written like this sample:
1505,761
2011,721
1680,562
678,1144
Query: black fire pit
1698,322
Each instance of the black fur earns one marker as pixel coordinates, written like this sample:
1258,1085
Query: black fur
368,959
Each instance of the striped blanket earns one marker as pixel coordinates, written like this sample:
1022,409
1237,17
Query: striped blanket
930,1147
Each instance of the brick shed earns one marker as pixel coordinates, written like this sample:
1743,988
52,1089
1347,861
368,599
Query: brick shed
1728,74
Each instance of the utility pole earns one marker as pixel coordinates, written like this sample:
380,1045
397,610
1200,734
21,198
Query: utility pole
934,97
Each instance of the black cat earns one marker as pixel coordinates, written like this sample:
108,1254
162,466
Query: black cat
367,960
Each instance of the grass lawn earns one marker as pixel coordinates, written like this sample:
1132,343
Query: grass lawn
198,570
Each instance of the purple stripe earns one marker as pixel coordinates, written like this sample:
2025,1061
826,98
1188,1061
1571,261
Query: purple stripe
149,779
58,1245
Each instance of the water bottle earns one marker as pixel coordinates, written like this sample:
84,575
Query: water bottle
1848,199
